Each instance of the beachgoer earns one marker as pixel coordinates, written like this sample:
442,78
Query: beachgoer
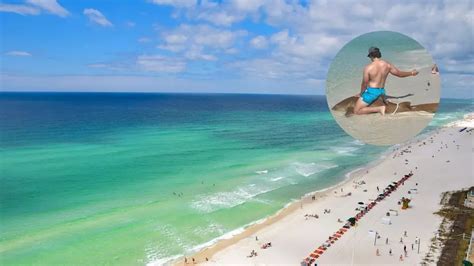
412,246
373,82
378,189
405,248
194,261
185,260
405,233
256,238
401,258
401,240
390,252
386,241
207,259
377,252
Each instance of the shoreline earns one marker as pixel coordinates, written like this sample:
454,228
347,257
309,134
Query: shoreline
210,248
248,230
217,245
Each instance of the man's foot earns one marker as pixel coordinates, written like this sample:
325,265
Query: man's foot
382,110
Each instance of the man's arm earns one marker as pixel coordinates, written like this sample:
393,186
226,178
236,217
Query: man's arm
365,81
402,74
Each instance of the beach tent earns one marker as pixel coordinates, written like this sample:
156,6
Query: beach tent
386,220
352,220
405,202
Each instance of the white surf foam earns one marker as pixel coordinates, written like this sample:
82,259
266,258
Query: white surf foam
228,199
276,178
308,169
345,150
262,172
171,260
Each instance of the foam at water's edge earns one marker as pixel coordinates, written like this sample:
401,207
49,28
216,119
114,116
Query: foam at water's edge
308,169
172,259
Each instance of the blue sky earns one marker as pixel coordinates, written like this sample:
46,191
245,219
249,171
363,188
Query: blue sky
241,46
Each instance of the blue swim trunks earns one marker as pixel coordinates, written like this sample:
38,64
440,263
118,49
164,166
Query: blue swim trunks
371,94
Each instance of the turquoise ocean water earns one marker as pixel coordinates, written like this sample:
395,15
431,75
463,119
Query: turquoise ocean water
97,178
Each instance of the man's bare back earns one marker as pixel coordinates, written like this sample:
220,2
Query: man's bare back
377,72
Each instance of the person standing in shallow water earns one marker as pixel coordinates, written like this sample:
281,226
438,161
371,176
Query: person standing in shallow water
373,82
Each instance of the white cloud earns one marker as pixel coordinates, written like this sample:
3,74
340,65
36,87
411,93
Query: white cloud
220,17
50,6
18,53
176,3
19,9
304,37
259,42
199,42
160,64
126,83
248,5
95,16
34,7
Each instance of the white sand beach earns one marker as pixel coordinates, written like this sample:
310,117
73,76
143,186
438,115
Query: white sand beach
441,161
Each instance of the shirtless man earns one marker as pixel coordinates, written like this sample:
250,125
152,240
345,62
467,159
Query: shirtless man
373,82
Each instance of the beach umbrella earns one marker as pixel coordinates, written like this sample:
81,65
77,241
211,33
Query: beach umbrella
352,220
360,203
466,263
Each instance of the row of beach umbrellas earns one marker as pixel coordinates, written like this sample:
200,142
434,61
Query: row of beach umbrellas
317,253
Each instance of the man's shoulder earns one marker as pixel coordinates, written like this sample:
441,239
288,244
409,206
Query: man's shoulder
385,62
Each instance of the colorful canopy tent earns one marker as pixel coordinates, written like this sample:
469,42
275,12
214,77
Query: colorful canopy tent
405,203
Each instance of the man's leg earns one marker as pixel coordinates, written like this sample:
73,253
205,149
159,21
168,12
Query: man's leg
362,108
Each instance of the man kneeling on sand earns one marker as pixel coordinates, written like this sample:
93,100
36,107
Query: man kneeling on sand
373,82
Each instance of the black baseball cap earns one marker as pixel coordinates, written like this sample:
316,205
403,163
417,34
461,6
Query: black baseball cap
372,50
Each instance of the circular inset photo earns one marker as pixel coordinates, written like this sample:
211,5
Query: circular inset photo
383,88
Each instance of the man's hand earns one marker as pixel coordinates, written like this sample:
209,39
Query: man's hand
414,72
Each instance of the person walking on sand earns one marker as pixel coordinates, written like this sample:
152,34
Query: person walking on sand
373,82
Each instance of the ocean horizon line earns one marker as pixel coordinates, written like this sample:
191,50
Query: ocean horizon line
177,93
